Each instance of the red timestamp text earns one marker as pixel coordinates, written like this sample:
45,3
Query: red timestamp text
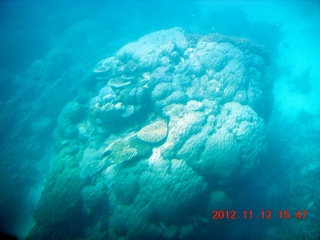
264,214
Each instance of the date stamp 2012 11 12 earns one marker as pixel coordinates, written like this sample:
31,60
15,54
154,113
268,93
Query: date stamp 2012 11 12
263,214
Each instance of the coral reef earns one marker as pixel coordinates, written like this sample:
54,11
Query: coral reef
175,119
153,133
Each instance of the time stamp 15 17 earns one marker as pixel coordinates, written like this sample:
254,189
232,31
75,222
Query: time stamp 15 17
264,214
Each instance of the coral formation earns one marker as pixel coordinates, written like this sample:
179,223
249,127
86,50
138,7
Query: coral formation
118,82
91,168
176,118
154,132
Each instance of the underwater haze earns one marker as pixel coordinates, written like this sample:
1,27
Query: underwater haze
160,119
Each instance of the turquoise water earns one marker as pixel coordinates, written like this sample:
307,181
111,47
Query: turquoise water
160,120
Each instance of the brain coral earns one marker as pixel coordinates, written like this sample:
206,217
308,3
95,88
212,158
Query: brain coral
190,111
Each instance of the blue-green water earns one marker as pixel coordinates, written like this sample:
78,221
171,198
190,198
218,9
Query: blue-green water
137,120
